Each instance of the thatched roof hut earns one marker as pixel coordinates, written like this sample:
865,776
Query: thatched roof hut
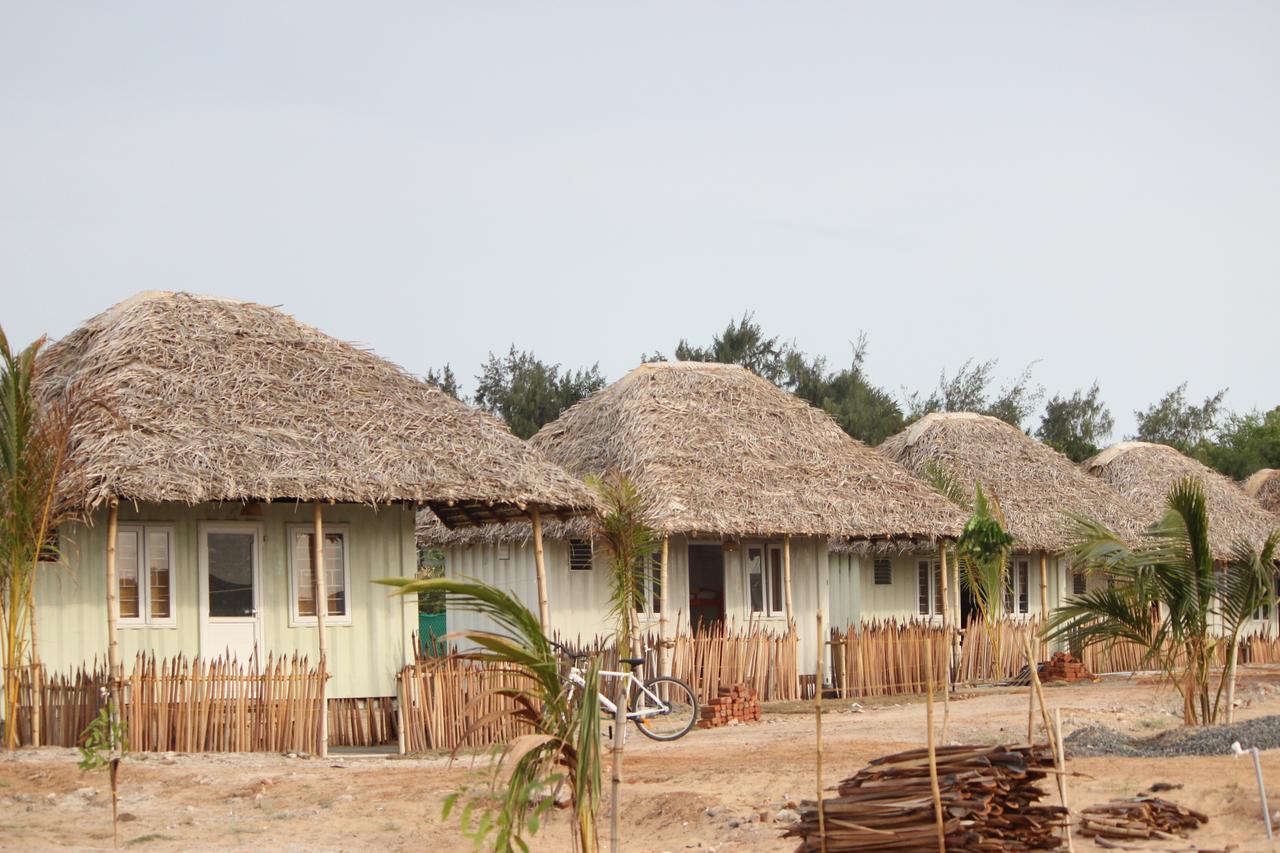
209,399
717,450
1264,487
1036,485
1144,472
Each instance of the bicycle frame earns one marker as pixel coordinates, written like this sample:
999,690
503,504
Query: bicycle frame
660,707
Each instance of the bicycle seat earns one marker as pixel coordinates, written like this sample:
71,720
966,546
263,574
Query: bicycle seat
633,662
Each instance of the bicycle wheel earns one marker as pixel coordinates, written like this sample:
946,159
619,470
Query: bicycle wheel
671,714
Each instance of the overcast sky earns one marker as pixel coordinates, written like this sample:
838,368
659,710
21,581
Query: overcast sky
1091,185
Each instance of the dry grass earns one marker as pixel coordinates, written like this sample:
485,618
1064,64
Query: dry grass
1143,474
717,450
216,400
1037,486
1264,486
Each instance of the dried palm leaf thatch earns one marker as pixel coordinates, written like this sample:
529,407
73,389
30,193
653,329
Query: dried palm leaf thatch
210,399
1037,486
1264,487
432,533
1143,473
717,450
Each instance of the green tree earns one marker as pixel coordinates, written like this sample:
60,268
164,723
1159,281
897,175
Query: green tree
528,393
444,380
1076,426
1246,443
35,467
970,390
563,749
742,342
1167,596
631,544
863,410
1180,424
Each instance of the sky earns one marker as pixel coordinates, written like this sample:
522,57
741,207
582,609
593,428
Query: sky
1093,187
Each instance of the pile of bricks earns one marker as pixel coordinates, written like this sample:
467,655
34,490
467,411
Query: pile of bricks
1063,667
737,702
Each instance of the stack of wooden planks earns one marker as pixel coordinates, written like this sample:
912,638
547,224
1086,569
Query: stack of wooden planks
736,703
1139,817
990,798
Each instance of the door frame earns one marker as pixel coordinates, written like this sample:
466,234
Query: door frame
202,577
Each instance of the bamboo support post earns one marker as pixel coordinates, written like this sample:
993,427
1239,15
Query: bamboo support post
321,596
1044,587
664,653
946,639
817,719
786,579
540,566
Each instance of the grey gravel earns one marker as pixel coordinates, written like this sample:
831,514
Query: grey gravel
1262,732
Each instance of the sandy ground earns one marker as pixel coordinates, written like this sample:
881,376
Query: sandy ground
708,791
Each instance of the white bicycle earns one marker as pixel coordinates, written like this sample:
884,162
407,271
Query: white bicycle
663,708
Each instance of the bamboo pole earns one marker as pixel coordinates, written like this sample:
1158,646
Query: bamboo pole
786,578
817,718
933,762
113,661
544,605
664,654
1044,587
320,593
619,733
1060,759
946,638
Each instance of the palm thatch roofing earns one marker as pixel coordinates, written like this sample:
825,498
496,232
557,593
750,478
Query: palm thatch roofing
1264,487
1038,488
206,399
716,450
1144,473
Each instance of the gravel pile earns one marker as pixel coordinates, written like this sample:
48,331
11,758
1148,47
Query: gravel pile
1263,732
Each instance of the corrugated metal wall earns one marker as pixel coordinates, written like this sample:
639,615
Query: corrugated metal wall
363,656
579,599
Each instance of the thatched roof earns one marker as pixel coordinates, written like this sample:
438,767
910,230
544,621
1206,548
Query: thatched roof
1036,485
1144,472
215,400
1264,487
431,532
718,450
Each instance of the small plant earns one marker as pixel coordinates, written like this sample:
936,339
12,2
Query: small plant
103,744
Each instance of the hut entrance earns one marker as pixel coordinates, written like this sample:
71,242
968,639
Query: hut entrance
706,585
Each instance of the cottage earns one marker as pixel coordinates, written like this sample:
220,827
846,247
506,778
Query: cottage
1264,487
227,433
1038,489
748,486
1143,473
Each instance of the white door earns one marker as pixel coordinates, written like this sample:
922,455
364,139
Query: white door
230,589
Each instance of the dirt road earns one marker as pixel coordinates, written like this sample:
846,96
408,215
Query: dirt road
708,791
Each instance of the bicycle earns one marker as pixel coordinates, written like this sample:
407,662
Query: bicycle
657,718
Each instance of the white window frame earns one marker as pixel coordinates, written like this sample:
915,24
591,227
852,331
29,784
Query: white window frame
934,568
296,621
875,578
1017,589
649,586
144,618
772,609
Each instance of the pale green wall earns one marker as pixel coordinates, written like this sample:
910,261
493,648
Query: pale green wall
363,656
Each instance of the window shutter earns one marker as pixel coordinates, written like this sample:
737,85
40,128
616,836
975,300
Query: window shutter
883,572
580,555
